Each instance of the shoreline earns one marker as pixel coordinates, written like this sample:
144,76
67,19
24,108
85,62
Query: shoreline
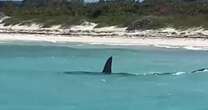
87,33
163,42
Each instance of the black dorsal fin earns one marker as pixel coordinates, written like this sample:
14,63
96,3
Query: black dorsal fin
108,66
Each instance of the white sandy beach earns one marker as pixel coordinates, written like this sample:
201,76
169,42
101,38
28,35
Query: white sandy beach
195,38
187,43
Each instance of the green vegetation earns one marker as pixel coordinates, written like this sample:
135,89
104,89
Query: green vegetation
150,14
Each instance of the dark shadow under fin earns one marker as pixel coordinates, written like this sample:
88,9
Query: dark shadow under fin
108,66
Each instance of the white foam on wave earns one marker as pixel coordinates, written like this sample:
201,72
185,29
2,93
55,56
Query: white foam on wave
168,46
163,73
179,73
103,80
195,48
205,70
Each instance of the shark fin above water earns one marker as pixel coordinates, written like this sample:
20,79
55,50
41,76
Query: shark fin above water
107,70
108,66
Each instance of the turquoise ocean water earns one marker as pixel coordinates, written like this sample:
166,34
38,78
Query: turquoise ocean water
32,77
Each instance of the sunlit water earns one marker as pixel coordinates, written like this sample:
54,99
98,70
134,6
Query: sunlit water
33,78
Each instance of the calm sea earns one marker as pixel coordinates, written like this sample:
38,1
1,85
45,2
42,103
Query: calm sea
32,77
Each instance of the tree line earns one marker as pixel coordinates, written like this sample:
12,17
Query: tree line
79,7
107,11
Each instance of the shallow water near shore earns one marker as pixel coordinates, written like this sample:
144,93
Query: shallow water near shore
32,77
